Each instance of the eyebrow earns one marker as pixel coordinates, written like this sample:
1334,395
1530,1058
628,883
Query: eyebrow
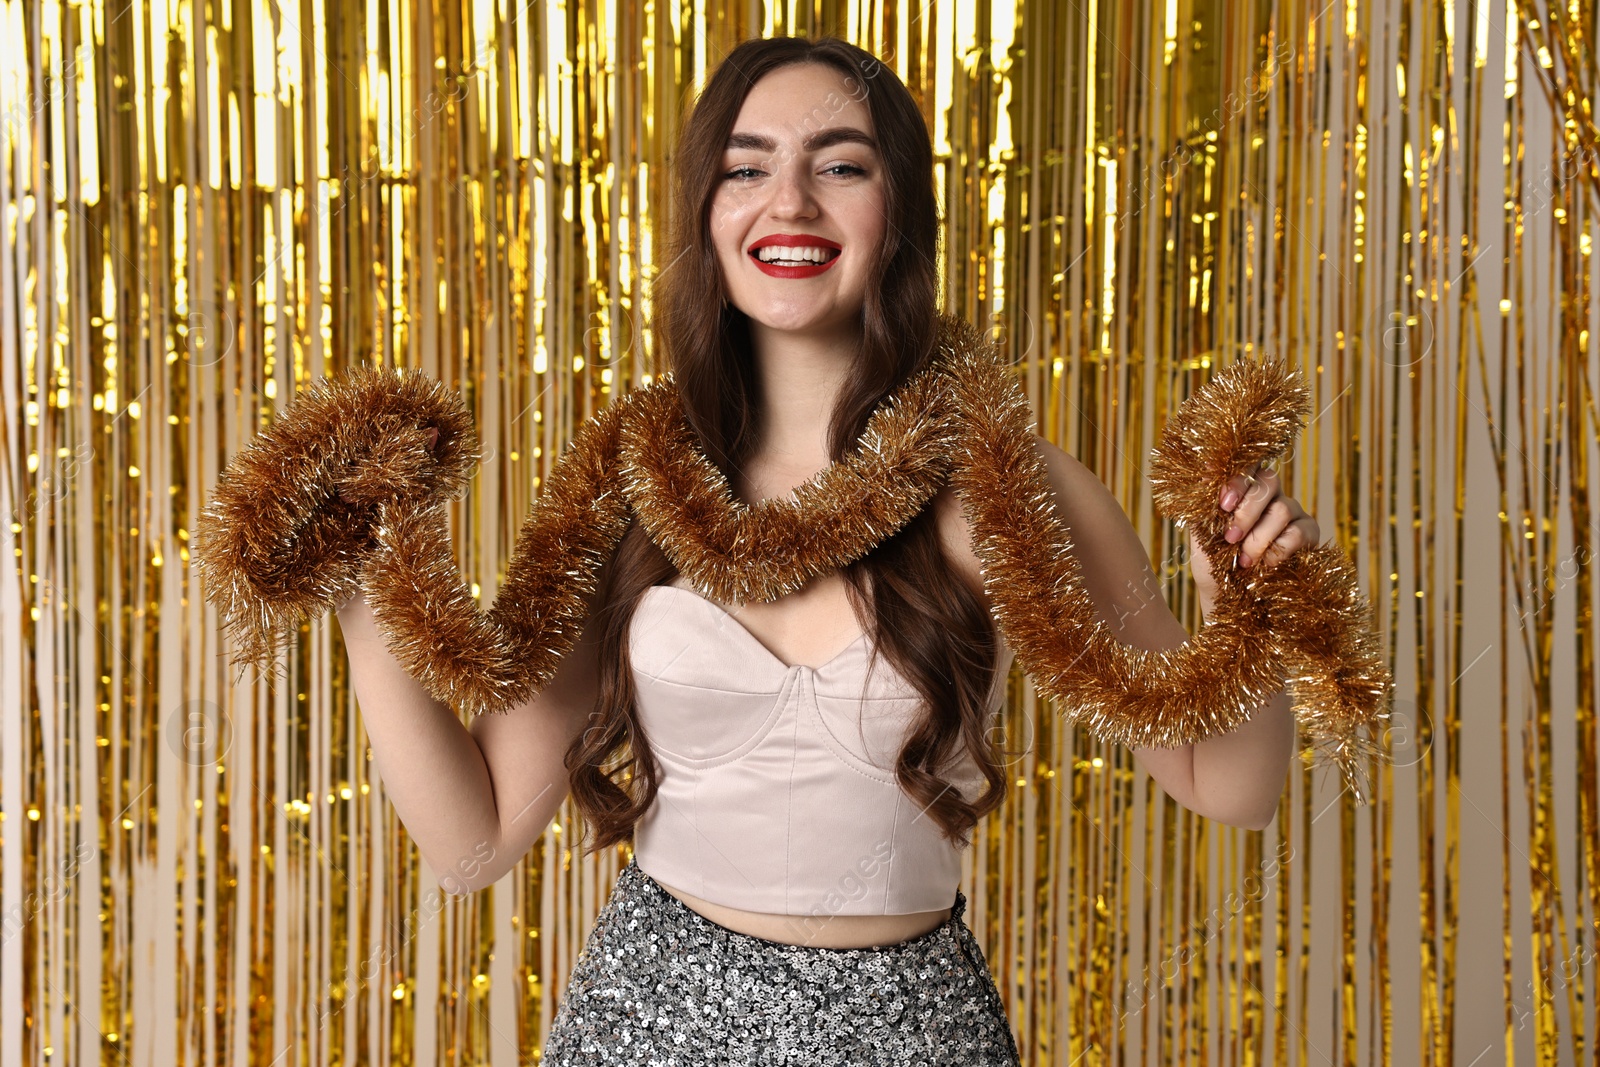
821,139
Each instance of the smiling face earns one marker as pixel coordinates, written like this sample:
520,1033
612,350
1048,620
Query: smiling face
801,211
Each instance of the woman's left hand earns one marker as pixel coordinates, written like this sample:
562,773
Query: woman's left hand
1267,527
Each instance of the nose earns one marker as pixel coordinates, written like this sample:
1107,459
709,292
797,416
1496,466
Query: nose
791,192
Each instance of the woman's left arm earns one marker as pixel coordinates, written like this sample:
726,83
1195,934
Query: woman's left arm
1236,777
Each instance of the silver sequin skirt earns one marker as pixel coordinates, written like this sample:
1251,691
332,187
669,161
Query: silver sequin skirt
659,984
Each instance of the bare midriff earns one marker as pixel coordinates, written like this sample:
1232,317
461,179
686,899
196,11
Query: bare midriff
817,931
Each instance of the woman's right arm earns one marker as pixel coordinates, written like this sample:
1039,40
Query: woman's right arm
473,800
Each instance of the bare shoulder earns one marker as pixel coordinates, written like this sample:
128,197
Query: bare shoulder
1068,477
1071,480
1112,559
955,537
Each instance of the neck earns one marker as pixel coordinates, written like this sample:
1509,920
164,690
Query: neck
798,378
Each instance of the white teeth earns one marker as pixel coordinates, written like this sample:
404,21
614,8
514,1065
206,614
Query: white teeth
776,253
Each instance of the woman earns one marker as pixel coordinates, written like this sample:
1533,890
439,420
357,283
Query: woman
804,771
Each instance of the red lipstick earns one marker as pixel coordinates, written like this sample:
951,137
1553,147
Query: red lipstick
794,240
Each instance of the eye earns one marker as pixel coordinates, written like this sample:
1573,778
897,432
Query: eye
742,173
847,168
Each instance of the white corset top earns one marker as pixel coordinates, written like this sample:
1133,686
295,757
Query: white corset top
777,791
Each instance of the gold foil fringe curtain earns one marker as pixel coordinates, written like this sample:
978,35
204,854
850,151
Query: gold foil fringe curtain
208,206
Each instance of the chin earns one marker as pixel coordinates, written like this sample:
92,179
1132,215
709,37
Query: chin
803,320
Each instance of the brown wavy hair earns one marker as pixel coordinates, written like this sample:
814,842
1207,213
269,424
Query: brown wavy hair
923,618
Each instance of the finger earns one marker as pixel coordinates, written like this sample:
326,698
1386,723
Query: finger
1287,544
1233,489
1273,522
1257,496
1302,533
1299,534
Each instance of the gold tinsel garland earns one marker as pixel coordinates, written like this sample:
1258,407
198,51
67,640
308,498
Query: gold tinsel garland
343,493
739,553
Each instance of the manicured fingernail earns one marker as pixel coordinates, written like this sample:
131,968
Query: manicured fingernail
1230,498
1232,535
1244,561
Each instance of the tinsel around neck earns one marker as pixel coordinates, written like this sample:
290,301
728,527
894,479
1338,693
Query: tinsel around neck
343,493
